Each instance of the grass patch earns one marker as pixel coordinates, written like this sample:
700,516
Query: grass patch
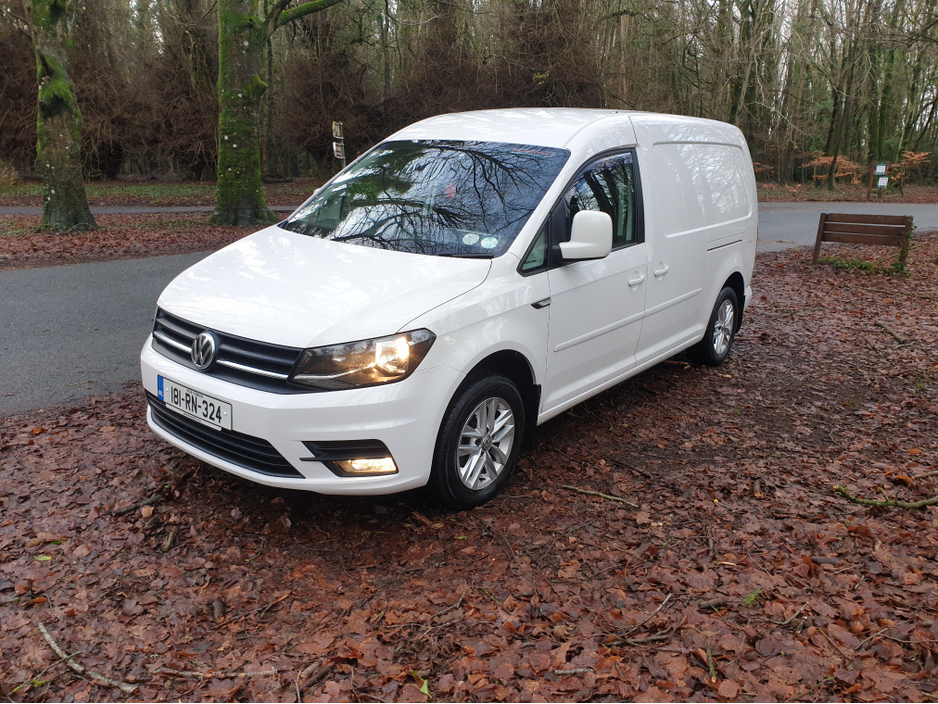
170,223
152,193
752,598
14,228
23,189
110,194
897,268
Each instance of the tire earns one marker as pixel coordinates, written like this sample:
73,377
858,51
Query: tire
715,346
470,467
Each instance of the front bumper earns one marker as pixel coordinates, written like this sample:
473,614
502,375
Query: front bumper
405,416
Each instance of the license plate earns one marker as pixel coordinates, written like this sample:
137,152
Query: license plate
194,404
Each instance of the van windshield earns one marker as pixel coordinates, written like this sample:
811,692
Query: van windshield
444,198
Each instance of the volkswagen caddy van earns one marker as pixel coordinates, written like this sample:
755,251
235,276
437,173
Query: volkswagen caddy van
460,283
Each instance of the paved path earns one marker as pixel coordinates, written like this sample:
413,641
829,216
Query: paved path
783,225
73,331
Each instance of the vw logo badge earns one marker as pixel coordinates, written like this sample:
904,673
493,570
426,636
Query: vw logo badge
203,350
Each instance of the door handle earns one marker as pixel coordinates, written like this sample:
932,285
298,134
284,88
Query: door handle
636,282
662,271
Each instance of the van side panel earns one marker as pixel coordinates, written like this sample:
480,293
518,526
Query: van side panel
677,189
729,205
701,222
731,216
675,234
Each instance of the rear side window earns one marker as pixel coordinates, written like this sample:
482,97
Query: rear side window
608,186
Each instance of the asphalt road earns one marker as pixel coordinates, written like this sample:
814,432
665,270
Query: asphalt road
784,225
73,331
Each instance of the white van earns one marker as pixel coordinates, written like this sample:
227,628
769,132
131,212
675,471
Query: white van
467,279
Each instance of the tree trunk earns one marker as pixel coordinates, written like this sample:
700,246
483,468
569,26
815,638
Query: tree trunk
928,123
242,37
65,205
915,113
875,87
842,127
886,104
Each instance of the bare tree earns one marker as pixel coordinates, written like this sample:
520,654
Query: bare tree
821,82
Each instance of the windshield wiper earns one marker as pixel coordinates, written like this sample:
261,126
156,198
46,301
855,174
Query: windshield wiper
466,255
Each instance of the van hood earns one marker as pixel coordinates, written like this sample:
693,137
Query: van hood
290,289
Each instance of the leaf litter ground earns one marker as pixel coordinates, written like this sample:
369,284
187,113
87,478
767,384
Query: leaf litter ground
117,237
739,575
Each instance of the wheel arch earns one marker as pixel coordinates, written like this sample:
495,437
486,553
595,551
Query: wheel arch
516,367
738,284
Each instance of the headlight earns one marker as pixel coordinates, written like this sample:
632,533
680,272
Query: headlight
364,363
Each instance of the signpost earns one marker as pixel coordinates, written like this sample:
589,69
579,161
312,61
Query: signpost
882,179
881,175
338,146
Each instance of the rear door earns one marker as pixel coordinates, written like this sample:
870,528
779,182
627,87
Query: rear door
596,307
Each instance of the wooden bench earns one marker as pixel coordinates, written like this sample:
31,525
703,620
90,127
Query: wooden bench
887,230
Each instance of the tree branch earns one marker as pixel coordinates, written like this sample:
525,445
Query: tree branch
274,16
608,497
926,296
81,670
887,503
21,24
280,16
901,340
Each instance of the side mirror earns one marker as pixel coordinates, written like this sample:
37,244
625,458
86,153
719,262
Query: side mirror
590,236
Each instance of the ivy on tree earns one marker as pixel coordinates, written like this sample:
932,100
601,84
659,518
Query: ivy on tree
243,31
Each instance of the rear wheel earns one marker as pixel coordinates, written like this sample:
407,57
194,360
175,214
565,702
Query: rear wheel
715,346
479,442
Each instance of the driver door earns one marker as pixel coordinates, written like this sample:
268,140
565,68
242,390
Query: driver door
596,307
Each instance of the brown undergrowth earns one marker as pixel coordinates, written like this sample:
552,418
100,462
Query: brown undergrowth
740,576
845,193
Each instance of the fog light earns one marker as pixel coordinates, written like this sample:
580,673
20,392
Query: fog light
382,465
352,458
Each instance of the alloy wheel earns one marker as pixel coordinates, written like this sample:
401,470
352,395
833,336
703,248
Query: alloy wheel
485,443
723,328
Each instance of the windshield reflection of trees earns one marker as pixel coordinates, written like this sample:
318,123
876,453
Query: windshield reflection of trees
426,197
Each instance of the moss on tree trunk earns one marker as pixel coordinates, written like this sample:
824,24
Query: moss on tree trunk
242,37
65,205
239,198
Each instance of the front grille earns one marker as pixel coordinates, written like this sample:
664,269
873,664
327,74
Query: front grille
258,365
247,451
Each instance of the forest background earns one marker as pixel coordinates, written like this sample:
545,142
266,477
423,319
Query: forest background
819,87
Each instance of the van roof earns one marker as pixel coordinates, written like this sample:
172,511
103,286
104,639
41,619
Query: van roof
548,127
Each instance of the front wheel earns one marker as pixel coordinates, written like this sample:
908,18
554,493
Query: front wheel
479,442
715,346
